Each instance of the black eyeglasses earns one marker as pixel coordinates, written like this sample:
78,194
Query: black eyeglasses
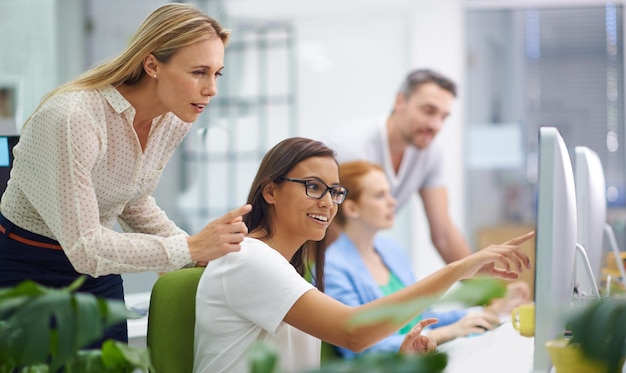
317,189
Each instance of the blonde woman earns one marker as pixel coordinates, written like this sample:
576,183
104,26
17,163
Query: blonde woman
363,265
260,294
92,153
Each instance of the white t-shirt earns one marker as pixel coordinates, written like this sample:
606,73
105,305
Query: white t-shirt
243,298
368,140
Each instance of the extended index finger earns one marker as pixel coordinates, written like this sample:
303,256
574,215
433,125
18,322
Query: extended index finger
429,321
521,239
230,216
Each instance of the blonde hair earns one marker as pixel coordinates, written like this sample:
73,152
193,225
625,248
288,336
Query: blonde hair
167,29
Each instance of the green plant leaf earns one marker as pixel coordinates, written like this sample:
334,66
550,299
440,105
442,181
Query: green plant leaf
262,358
476,292
13,298
36,369
114,357
600,330
388,362
28,330
122,356
114,312
470,292
34,319
88,323
88,361
393,313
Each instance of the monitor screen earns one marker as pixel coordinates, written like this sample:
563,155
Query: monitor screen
6,159
591,206
555,255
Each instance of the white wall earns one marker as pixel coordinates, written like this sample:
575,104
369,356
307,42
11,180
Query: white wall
436,40
28,49
352,57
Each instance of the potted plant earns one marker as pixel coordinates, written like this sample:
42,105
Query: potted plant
44,329
598,339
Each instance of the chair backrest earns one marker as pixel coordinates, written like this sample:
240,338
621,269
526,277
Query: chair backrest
171,320
329,353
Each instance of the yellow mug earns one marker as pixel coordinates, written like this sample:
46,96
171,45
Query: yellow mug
523,318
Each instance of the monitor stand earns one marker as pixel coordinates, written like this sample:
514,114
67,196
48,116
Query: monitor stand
610,235
581,255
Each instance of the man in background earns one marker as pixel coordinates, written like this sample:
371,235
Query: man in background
403,143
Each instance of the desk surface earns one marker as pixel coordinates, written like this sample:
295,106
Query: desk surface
500,350
138,328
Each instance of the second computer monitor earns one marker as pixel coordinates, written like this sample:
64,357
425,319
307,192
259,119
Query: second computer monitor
591,205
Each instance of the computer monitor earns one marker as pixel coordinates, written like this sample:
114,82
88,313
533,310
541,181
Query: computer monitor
591,205
555,253
6,159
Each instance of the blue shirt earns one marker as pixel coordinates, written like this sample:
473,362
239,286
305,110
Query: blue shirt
347,279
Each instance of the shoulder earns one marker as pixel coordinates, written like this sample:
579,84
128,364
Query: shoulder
385,240
255,260
81,111
341,253
251,245
360,130
255,255
358,139
65,103
389,246
339,246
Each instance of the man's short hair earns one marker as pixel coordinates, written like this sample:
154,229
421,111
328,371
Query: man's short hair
422,76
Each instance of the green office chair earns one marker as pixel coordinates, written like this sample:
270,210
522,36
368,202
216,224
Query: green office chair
329,353
171,320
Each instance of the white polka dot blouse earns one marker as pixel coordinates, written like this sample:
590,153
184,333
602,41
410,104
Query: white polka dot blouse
79,166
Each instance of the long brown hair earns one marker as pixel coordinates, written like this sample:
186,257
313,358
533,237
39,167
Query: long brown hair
277,163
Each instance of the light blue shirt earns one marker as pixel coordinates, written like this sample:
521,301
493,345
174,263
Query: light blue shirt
347,279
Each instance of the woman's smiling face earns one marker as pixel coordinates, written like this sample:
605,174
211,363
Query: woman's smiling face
299,215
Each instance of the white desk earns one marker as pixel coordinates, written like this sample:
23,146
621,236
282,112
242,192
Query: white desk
138,328
500,350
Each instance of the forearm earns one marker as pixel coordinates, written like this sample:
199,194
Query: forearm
427,289
443,334
402,306
389,344
145,216
451,244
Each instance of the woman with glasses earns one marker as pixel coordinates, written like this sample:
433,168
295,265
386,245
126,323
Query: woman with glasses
363,265
260,294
